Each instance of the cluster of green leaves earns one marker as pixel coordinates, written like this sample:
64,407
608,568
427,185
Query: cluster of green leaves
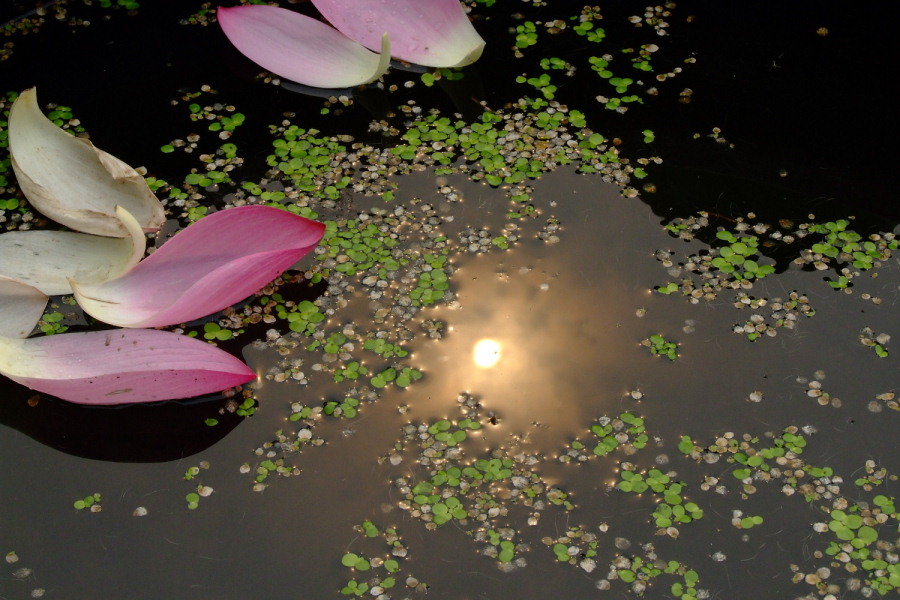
348,407
454,74
627,427
660,347
401,378
786,442
206,179
646,571
844,244
431,285
268,467
163,186
739,258
593,148
214,332
526,34
331,345
87,502
444,495
301,316
52,322
673,509
452,434
193,500
384,348
218,122
358,246
506,548
353,370
587,30
194,471
855,526
465,490
377,583
247,407
542,83
442,141
306,160
749,522
856,534
126,4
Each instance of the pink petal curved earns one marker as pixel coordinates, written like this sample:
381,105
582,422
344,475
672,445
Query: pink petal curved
300,48
434,33
120,366
210,265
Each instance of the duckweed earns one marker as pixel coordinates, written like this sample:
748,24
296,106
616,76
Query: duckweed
90,502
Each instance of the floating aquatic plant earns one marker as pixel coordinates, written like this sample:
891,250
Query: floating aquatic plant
659,346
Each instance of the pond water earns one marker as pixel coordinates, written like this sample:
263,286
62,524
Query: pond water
601,454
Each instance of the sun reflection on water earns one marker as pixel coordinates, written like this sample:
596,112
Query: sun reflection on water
486,353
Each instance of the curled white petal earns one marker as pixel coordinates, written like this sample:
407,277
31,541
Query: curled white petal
69,180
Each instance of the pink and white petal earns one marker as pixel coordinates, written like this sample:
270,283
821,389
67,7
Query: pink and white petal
434,33
300,48
48,259
210,265
69,180
21,306
121,366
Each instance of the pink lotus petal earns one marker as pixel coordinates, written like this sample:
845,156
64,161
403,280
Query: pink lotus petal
212,264
21,306
300,48
120,366
434,33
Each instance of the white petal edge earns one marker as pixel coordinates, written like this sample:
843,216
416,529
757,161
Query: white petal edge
71,181
47,260
21,307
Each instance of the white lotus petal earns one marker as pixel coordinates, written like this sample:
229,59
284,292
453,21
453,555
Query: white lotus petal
21,307
47,259
72,182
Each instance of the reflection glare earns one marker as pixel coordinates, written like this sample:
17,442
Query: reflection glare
486,353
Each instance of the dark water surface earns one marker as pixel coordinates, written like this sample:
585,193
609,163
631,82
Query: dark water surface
568,316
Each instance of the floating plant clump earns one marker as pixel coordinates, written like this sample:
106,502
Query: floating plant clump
733,263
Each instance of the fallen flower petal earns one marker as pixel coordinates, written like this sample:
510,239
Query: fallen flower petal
21,307
210,265
120,366
434,33
47,259
69,180
300,48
